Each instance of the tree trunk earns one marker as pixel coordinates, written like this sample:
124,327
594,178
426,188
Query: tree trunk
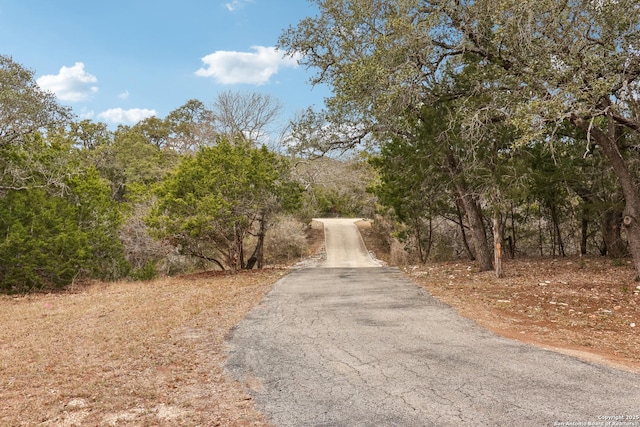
474,216
257,257
557,235
419,240
540,239
512,238
430,241
465,241
497,242
236,250
611,229
584,233
631,213
478,232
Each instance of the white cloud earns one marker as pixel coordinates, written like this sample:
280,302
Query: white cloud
70,84
132,116
236,4
86,114
245,67
124,95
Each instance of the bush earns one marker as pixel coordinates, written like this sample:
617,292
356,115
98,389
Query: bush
147,272
49,240
285,241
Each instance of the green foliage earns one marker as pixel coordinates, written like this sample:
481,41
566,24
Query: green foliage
53,234
24,107
335,187
41,245
57,221
99,218
214,198
147,272
130,162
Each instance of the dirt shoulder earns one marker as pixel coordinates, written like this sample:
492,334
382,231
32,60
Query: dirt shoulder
587,307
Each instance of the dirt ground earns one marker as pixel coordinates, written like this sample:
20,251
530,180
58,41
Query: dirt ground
588,307
153,353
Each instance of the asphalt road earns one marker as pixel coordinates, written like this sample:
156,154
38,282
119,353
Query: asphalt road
350,343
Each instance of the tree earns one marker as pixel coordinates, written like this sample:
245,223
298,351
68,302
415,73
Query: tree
89,135
334,187
413,187
155,130
574,61
219,197
53,234
191,126
25,111
245,115
24,107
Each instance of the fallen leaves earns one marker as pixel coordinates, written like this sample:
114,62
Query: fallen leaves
584,304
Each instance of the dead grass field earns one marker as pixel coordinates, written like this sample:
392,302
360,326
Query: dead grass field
143,354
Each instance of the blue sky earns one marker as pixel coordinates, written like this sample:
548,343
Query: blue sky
123,60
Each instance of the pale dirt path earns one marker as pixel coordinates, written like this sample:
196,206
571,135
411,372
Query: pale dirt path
345,346
344,245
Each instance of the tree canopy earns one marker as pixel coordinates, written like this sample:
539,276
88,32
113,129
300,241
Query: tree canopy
24,107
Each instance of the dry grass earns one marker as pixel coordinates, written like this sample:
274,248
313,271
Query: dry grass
587,307
127,353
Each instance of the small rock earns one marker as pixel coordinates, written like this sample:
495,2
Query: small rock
77,403
504,301
617,307
633,325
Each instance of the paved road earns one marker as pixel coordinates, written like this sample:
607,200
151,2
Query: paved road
363,346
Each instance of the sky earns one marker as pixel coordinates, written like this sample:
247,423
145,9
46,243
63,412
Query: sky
121,61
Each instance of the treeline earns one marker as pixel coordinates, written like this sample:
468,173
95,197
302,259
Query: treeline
542,199
193,190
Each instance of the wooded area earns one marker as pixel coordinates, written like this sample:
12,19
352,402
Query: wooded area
478,129
502,116
194,190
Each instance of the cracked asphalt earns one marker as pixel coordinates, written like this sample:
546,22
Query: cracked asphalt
350,343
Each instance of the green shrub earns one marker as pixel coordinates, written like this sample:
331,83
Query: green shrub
48,240
147,272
